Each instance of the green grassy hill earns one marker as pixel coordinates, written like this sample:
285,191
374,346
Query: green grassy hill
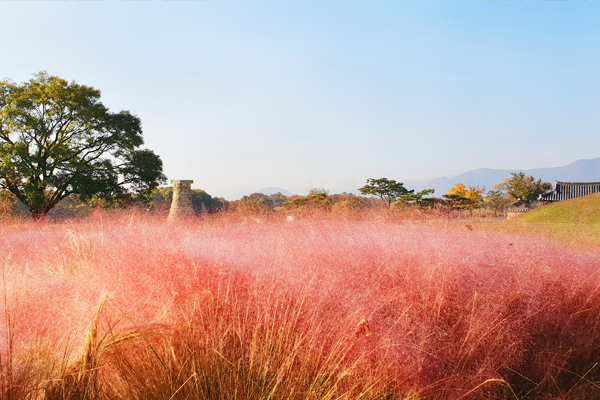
581,210
575,221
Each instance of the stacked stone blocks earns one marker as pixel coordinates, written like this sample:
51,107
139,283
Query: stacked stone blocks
181,206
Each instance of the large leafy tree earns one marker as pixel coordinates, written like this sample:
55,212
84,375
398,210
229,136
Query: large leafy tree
523,187
58,139
388,190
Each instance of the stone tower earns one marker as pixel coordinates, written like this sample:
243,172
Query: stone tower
181,206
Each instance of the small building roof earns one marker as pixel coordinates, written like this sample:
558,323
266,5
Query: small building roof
519,206
569,190
520,203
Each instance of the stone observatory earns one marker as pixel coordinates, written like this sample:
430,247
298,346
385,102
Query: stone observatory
181,206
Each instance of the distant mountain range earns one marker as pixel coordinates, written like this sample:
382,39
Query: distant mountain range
578,171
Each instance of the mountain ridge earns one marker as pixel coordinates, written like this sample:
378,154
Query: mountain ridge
587,170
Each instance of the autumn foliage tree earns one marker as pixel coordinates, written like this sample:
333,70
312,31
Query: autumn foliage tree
460,197
317,199
523,187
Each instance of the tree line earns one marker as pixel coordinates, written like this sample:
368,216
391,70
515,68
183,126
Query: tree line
376,193
388,193
516,187
62,150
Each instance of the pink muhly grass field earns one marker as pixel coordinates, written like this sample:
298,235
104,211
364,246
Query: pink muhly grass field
321,307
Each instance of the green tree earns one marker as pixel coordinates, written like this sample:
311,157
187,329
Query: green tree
496,200
255,203
278,199
347,202
388,190
458,201
58,139
523,187
259,198
317,199
417,198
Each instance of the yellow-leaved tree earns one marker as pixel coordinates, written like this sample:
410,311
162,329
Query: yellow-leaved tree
457,190
475,194
459,197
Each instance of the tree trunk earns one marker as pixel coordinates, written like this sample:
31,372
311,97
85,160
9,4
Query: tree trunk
40,212
38,215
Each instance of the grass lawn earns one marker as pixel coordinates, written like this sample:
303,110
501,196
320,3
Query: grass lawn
574,222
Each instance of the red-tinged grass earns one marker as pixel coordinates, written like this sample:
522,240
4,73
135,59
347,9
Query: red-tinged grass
320,307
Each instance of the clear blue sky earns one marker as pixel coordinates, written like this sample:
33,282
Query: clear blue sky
327,93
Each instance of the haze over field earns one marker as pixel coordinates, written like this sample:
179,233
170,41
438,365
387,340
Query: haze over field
327,306
578,171
245,95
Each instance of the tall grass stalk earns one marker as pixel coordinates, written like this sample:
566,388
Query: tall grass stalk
317,307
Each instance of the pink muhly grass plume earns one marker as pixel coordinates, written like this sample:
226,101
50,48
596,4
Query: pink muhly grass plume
321,306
